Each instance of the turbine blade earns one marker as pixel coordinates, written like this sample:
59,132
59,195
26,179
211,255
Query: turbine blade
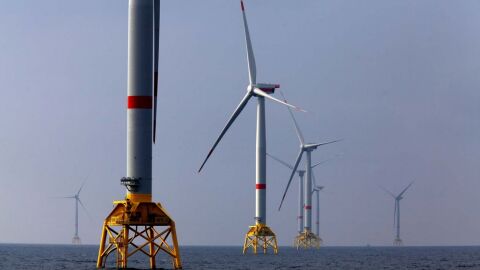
320,144
321,162
252,69
388,192
259,92
156,5
84,208
83,183
63,197
234,116
401,193
281,161
291,177
297,128
78,193
314,180
324,161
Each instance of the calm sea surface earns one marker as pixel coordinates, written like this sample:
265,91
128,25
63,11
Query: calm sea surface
14,256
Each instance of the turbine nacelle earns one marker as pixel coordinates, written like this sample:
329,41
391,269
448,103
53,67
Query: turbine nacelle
265,87
309,147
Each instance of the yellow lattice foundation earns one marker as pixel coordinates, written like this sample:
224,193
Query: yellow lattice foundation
260,236
134,227
307,239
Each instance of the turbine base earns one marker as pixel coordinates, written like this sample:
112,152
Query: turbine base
260,236
398,242
76,240
307,239
141,226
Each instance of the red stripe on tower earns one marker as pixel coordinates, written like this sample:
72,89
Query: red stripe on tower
139,102
308,207
261,186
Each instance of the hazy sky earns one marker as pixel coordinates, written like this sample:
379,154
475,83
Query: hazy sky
397,79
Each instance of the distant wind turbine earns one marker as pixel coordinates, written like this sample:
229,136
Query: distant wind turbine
317,189
304,148
307,239
396,213
76,239
301,201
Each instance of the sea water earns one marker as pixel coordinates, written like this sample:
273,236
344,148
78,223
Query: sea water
19,256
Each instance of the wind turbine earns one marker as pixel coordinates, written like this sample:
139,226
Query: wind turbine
307,239
317,189
301,202
76,239
396,213
137,223
260,232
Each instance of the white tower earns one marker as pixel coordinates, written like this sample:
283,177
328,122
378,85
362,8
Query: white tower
137,221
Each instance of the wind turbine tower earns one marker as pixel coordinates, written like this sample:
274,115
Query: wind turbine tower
306,239
136,223
76,239
301,201
396,214
259,235
317,189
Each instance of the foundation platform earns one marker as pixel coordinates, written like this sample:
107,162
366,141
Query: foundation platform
307,239
260,236
134,227
76,240
397,242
